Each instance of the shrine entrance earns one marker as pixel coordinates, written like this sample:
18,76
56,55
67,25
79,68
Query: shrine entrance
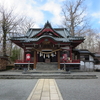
46,57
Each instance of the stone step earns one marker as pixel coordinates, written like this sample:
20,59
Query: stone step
46,66
46,72
44,76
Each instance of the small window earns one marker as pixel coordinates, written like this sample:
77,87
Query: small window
86,57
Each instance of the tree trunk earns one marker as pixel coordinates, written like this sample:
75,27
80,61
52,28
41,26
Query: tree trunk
72,23
4,45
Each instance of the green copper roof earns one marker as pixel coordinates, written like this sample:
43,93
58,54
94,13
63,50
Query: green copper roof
32,32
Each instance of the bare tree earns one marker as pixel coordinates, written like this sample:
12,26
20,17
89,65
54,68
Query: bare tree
98,41
7,24
74,16
10,25
25,25
91,41
21,29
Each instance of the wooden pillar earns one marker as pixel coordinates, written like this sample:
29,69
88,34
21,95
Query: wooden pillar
70,53
58,59
24,55
34,60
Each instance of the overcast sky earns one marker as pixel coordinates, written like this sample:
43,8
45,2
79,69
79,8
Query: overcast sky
42,10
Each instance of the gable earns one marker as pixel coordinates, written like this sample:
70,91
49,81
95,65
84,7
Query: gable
48,30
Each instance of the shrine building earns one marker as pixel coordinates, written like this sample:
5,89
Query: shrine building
49,45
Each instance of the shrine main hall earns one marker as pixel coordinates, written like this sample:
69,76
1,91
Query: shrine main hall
49,46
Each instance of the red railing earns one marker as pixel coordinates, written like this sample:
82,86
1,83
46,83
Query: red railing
76,61
68,61
71,61
23,61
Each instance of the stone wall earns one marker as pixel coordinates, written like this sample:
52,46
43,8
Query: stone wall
3,63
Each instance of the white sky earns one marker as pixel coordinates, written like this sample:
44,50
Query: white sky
42,10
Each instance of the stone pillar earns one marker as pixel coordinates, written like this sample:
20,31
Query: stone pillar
34,60
58,59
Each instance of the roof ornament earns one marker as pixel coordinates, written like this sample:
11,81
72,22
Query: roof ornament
47,24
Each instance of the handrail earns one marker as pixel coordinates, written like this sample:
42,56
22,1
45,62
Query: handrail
23,61
71,61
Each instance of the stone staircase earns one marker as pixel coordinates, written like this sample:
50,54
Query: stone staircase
46,66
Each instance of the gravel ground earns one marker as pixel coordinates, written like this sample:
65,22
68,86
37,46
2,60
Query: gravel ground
80,89
17,89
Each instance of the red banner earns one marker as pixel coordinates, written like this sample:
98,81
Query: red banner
64,57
